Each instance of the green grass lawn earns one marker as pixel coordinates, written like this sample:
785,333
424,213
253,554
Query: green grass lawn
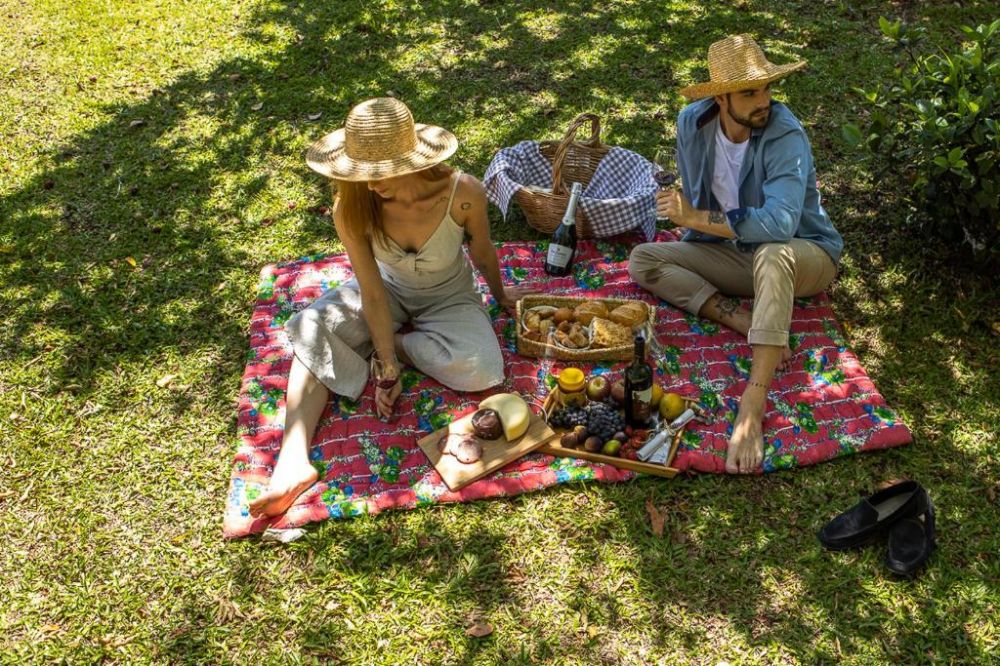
151,162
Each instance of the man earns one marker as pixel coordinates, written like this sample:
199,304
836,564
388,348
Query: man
753,219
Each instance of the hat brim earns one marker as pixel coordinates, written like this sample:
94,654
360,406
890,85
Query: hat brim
329,157
712,88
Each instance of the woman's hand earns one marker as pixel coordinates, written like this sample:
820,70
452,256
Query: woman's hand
671,203
512,294
385,399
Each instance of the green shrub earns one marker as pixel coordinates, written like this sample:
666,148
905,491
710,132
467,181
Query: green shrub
936,129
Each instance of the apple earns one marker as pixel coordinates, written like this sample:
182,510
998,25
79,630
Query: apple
618,392
598,388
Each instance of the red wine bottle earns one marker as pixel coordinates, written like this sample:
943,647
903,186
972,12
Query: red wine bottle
562,247
638,387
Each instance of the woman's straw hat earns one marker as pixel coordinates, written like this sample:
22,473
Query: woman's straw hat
380,140
737,63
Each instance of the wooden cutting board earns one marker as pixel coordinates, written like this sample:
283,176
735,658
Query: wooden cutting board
496,453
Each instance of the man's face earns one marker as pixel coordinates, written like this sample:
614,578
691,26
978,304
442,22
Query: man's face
750,108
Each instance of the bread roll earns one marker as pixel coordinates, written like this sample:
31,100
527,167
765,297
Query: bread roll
586,311
630,314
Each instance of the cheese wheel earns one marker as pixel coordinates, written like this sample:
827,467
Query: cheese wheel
513,411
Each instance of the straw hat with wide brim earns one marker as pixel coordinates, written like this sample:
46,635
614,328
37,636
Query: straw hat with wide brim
737,63
380,140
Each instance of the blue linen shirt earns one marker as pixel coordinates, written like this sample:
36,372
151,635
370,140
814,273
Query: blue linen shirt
779,199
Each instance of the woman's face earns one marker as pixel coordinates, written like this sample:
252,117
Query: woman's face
387,187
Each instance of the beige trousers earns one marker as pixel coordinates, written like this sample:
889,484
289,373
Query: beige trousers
686,274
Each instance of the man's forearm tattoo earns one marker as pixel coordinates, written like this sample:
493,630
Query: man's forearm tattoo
728,306
716,217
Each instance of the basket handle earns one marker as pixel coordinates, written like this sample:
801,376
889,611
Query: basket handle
563,147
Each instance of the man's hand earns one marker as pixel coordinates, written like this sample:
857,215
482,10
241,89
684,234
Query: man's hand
671,203
512,294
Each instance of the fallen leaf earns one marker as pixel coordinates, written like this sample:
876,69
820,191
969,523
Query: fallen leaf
479,629
14,416
996,327
131,262
49,628
49,184
137,123
991,492
165,380
890,482
258,106
315,116
656,518
679,537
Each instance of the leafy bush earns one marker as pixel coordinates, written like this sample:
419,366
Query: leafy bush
936,128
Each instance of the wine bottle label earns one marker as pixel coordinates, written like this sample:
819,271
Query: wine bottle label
644,395
559,255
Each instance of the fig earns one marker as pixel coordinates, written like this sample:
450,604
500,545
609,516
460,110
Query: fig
581,433
593,444
620,436
569,441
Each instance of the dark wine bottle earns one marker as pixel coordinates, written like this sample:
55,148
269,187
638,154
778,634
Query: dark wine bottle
559,259
638,387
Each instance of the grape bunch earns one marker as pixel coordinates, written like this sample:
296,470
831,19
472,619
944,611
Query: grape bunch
604,421
568,417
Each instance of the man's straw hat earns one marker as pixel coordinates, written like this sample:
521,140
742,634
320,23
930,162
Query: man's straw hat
737,63
380,140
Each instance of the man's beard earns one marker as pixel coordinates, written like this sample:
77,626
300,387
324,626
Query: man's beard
753,121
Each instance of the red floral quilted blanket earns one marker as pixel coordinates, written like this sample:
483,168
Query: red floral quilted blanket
822,407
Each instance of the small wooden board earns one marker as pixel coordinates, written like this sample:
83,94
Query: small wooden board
496,453
554,449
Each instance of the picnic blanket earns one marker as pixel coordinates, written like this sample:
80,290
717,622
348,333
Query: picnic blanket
822,407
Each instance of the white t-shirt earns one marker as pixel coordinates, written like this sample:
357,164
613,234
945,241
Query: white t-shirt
726,175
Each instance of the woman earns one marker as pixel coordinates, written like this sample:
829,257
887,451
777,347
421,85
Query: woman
402,216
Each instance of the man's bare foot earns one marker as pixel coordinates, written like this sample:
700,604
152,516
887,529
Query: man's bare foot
746,446
786,356
287,483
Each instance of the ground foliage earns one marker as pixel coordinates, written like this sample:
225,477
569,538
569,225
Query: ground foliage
151,161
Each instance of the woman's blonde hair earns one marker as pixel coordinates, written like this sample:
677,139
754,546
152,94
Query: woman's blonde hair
361,209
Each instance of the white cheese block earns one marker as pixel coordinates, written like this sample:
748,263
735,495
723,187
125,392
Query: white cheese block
513,411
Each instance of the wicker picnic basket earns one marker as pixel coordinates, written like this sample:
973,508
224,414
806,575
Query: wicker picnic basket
572,162
526,347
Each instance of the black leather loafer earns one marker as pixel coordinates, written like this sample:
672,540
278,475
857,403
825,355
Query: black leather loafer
872,517
911,541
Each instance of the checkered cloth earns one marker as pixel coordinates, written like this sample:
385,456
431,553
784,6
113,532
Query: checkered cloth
619,197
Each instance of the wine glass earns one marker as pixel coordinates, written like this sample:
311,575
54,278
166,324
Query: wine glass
666,176
386,377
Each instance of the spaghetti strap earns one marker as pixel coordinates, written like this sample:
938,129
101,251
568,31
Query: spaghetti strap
454,188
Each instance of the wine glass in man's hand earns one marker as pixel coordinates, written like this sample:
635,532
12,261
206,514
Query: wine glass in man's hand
666,176
666,159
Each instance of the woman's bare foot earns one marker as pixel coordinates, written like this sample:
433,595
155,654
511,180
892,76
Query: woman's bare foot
746,446
288,482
